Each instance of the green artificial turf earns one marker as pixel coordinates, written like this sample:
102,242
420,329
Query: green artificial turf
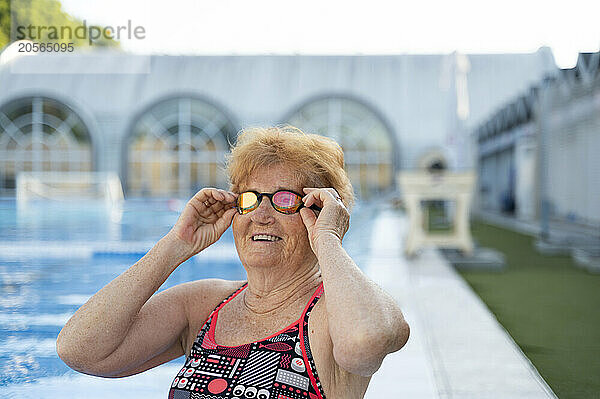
436,218
550,307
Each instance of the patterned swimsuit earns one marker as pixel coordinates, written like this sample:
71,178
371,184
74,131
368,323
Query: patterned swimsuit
280,366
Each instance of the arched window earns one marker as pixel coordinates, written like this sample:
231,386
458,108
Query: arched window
177,147
366,141
40,134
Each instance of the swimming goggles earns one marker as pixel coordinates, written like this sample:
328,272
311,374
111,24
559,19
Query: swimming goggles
283,201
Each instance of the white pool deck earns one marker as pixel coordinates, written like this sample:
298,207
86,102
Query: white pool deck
457,348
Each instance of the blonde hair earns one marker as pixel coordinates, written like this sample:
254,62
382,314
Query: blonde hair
317,161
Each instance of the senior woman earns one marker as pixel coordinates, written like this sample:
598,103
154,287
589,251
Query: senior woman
307,323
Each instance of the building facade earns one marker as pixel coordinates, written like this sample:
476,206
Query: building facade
165,123
543,146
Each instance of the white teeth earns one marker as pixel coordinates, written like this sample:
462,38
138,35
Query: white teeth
265,237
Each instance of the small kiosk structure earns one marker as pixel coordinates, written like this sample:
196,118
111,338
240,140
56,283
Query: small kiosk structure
432,182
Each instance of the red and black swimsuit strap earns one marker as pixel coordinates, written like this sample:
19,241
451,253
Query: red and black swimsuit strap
304,340
206,326
305,344
224,301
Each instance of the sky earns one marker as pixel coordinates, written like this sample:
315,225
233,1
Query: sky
351,27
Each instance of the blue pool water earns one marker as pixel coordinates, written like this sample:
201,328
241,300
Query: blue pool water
54,257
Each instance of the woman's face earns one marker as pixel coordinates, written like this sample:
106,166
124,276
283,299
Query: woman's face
292,248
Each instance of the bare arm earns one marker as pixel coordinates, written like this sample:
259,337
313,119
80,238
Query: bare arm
365,323
119,328
124,329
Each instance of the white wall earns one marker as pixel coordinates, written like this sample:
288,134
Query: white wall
408,91
574,167
526,178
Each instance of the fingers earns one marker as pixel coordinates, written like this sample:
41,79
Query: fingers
319,196
225,219
215,194
211,203
209,197
308,218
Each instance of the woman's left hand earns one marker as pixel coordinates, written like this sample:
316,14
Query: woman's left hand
333,220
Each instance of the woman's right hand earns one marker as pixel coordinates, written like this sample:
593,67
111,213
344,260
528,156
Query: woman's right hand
204,219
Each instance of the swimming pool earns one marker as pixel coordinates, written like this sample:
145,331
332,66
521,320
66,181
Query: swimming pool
54,257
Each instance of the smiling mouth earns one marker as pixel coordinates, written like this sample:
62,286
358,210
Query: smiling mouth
265,238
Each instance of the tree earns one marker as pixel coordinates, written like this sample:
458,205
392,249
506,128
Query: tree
43,13
4,22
